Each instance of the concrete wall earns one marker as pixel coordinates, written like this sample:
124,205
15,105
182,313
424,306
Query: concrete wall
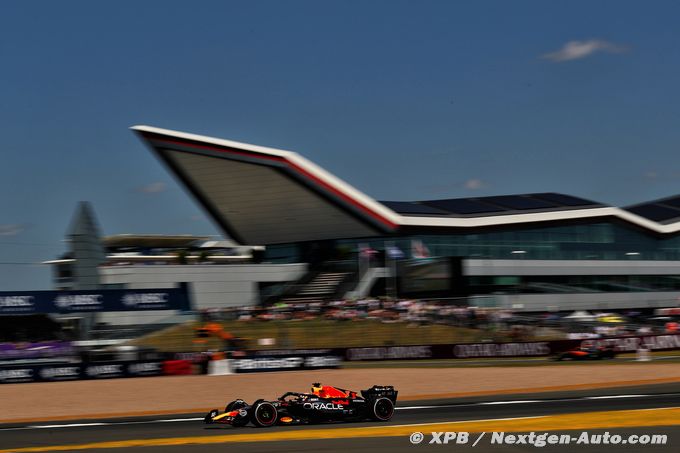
592,301
211,285
581,301
569,267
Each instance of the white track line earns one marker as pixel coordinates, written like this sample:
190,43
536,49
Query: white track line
607,397
136,422
463,421
494,403
71,425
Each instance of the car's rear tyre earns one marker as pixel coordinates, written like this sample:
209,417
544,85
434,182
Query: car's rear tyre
264,414
382,410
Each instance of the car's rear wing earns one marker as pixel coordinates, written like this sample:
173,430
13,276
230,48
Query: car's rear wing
376,391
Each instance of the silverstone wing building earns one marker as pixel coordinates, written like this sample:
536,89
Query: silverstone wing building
533,252
324,239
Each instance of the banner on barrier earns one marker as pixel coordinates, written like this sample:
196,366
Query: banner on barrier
284,362
32,302
63,372
450,351
391,353
500,350
632,344
528,349
72,371
17,375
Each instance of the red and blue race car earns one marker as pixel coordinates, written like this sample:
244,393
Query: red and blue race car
588,353
323,404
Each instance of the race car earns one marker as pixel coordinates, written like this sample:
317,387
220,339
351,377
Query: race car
587,353
323,404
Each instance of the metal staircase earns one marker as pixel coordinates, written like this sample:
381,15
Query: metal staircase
322,287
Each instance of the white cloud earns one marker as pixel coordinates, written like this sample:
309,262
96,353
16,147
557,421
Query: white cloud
155,187
651,175
655,176
574,50
474,184
11,229
451,187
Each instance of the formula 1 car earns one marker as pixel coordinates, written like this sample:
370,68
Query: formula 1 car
591,353
323,404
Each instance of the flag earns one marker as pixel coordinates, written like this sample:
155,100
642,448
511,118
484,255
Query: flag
419,250
365,251
394,252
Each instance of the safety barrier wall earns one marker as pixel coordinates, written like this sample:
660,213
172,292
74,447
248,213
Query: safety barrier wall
12,374
664,342
306,359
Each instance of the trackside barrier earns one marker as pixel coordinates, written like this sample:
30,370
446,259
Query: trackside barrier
300,359
631,344
14,374
450,351
287,360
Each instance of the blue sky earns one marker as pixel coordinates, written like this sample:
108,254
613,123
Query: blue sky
406,100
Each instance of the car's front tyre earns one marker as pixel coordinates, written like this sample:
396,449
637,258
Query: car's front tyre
264,414
235,405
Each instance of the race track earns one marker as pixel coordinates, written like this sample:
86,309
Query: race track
132,433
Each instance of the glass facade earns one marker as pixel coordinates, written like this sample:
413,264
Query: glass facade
597,241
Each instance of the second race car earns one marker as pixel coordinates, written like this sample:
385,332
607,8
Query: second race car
588,353
323,404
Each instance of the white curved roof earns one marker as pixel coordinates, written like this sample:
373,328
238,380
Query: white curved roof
261,195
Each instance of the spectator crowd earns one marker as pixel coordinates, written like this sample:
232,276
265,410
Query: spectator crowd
423,312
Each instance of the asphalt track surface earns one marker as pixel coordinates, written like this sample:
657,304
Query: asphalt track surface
516,406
